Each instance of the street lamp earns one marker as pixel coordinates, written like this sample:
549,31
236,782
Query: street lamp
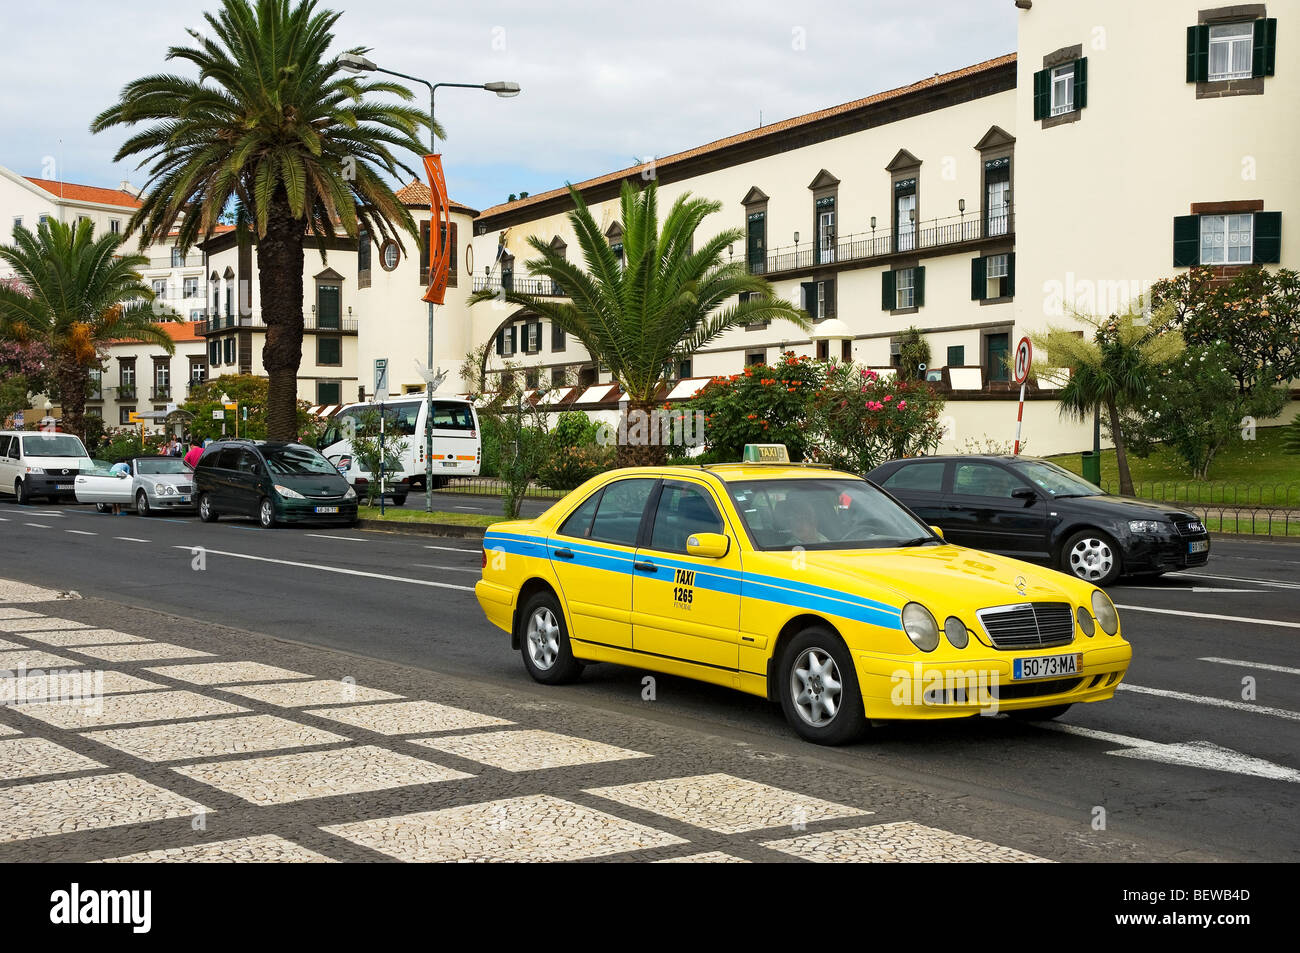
355,63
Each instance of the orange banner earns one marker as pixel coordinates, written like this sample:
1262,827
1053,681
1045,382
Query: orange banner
439,231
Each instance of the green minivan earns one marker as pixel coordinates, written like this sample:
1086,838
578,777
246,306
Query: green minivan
272,481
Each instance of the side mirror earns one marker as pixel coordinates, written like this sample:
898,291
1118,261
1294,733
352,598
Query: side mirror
1024,493
937,531
708,545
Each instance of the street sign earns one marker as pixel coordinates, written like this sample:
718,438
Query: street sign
218,415
1024,357
20,420
230,406
135,418
381,375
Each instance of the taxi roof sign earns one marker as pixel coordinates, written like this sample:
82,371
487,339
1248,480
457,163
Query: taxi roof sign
766,453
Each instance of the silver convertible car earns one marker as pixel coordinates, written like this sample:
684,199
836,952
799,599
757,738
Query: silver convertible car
150,484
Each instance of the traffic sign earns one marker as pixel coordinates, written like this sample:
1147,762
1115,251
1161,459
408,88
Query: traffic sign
231,406
218,415
381,375
1024,357
134,418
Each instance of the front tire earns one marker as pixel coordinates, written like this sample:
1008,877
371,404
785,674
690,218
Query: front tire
1092,556
266,513
142,504
206,513
21,496
544,641
819,689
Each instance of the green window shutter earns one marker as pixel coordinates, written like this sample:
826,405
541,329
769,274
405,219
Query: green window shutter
1081,82
1198,53
978,281
1042,93
829,288
888,291
918,276
1264,54
1187,241
501,341
1268,238
808,297
1011,274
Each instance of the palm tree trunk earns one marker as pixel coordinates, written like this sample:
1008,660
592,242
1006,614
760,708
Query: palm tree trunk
640,437
72,382
1121,454
279,266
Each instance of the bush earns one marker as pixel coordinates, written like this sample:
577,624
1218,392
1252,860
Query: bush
566,468
764,404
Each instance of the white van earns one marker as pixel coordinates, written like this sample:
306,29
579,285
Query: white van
40,463
457,443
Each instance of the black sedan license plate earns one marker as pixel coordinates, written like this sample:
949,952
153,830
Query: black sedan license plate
1047,666
327,509
1200,546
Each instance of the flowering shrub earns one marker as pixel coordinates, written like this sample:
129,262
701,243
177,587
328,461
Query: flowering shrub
864,419
763,404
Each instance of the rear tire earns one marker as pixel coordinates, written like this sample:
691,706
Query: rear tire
399,500
544,641
103,508
819,688
1038,714
206,513
1092,556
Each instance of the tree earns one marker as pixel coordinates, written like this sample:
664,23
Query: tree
913,351
274,128
371,447
669,301
248,391
24,370
1112,370
78,294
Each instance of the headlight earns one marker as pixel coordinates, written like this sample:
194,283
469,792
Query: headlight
287,493
1144,526
164,489
920,627
1104,610
37,470
1085,621
954,631
351,494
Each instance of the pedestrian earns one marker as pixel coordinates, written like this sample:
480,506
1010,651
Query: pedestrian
192,456
124,470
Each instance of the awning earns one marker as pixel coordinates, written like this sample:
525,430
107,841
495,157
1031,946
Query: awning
687,388
324,410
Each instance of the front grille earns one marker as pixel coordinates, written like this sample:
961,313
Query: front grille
1053,686
1029,625
184,488
1188,527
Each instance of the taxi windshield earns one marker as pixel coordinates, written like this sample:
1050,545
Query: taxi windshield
829,513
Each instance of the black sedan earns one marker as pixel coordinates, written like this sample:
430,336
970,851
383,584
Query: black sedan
1034,510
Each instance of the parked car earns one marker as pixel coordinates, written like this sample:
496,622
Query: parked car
1035,510
273,482
349,466
40,463
150,484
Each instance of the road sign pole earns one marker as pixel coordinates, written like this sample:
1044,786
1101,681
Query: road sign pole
1020,416
382,453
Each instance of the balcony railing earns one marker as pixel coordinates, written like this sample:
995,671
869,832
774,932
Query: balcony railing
160,393
126,392
254,322
885,242
537,287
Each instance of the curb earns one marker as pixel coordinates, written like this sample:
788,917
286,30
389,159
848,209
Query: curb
423,529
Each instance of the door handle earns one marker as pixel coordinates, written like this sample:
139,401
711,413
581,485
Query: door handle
645,565
564,553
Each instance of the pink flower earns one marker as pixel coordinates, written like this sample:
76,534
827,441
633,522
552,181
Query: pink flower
889,397
902,405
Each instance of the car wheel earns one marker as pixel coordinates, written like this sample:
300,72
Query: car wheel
819,689
266,513
1092,556
206,512
102,507
1038,714
399,500
142,504
20,493
544,641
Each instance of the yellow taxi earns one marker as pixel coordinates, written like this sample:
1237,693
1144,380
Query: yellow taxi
811,587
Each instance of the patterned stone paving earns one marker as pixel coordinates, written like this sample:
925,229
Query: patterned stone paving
303,761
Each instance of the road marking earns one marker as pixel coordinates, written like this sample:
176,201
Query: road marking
350,539
130,539
1188,589
4,519
37,525
81,532
1258,582
1211,615
453,549
57,516
447,568
345,572
1216,702
1259,665
1192,754
476,508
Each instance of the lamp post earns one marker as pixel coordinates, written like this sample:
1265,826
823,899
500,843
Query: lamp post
355,63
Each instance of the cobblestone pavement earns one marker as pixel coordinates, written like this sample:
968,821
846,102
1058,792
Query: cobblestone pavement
253,749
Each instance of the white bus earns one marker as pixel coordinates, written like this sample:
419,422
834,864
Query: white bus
457,443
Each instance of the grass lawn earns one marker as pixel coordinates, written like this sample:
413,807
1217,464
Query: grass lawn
1245,473
400,515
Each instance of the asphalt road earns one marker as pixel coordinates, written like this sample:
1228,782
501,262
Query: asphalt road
1178,755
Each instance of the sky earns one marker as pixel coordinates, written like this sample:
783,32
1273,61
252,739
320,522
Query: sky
605,84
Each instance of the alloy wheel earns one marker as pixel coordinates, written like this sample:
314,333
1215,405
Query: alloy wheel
543,638
1091,559
816,687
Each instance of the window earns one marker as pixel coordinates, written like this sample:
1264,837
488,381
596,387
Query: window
124,415
557,377
918,477
115,226
214,353
389,254
823,350
996,275
579,522
533,337
957,355
1063,89
178,258
229,347
126,379
756,242
43,219
191,287
1226,239
618,516
198,371
846,351
993,277
329,350
983,479
684,369
363,259
825,208
997,349
997,198
558,340
329,392
755,357
162,380
683,510
617,248
160,288
905,288
451,251
1230,49
905,215
506,341
96,384
532,378
818,298
18,221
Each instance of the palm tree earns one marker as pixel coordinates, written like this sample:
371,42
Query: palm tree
665,304
78,295
1113,370
275,130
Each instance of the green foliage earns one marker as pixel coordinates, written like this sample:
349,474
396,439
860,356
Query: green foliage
1291,438
568,467
914,351
1194,407
864,420
247,390
370,449
764,404
574,428
124,443
523,448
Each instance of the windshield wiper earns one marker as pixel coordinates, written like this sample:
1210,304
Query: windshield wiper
919,541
